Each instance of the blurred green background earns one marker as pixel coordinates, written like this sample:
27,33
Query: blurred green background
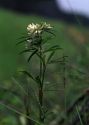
70,37
74,39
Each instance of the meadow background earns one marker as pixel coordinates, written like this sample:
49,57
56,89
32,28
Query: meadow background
73,38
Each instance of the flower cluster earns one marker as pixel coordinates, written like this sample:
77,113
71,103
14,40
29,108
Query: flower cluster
37,28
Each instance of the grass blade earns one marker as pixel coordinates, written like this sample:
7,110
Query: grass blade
33,53
19,113
79,115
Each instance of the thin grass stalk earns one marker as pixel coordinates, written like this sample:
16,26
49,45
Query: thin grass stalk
81,122
28,108
64,83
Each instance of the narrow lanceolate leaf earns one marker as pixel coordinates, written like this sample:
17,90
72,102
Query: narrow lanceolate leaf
49,32
29,75
50,56
41,58
26,50
53,61
59,60
24,37
56,47
22,41
32,54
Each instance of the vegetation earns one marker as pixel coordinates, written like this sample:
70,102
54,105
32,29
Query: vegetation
66,95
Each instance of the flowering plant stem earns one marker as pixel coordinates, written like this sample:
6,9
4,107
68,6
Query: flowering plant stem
35,47
41,87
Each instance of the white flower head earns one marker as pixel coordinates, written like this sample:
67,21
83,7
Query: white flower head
33,28
37,28
47,26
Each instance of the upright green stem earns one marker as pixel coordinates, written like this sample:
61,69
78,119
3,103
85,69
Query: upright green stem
40,63
41,113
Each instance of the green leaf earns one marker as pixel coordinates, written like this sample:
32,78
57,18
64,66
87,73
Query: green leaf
29,75
22,41
26,50
53,48
24,37
50,56
49,32
41,58
53,61
59,60
32,54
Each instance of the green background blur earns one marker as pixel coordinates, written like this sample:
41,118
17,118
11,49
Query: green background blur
74,39
70,37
